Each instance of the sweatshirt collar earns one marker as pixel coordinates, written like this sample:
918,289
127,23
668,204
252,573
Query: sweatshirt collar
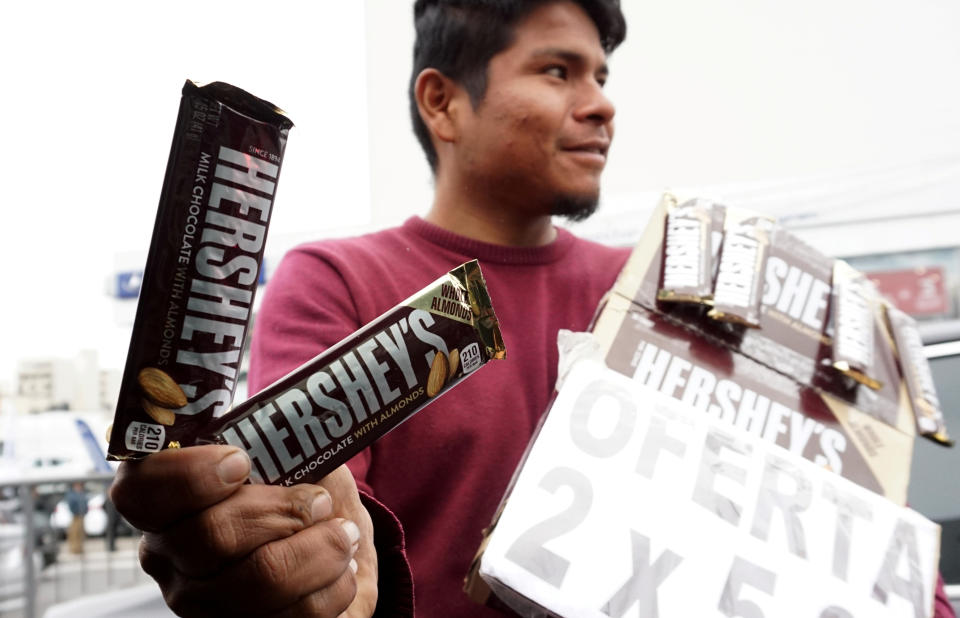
487,252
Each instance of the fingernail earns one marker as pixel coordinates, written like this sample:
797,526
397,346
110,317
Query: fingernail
322,507
353,532
353,565
234,468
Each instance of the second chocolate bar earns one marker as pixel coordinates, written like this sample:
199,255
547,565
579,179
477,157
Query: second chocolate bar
303,426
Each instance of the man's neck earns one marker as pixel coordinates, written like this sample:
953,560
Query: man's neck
474,215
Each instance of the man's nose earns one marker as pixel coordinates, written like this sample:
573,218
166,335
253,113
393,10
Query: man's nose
595,105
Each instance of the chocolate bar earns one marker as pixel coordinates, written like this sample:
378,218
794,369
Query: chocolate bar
917,374
853,343
718,216
688,253
303,426
738,287
202,269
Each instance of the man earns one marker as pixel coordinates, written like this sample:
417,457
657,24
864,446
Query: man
516,126
508,103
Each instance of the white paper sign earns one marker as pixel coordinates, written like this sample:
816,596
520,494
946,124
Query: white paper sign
631,504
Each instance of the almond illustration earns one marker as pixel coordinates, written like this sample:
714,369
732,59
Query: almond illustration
160,414
160,388
109,431
454,361
439,370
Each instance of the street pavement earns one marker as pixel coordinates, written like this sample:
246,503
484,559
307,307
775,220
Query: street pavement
73,576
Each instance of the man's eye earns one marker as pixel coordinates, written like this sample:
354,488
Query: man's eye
556,71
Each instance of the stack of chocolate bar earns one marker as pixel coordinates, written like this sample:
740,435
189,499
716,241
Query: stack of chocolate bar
733,437
735,296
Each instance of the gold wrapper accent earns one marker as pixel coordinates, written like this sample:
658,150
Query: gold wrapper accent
942,438
732,318
462,295
845,368
669,296
487,325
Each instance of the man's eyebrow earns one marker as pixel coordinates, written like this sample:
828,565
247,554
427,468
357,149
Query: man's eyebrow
569,56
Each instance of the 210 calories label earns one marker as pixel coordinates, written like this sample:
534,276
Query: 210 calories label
144,437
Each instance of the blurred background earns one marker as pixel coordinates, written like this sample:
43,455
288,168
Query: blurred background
839,119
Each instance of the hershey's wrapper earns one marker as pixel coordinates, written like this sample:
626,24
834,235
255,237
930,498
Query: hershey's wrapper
718,216
738,288
202,269
303,426
690,236
854,300
917,375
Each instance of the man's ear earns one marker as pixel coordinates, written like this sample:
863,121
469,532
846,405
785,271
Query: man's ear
437,99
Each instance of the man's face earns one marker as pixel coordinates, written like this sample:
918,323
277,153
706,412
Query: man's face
539,137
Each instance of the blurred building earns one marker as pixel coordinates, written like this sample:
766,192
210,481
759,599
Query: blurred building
77,383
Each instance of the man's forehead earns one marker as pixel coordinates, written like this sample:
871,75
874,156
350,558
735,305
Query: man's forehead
559,25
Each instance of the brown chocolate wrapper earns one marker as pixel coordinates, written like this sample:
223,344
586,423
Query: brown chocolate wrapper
688,253
738,287
308,423
202,269
917,374
855,300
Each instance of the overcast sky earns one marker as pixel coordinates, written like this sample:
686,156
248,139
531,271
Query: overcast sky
91,92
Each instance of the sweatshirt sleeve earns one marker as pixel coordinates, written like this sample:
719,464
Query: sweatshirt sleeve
395,583
941,606
306,308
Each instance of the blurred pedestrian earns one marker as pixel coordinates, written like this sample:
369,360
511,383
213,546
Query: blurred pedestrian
113,520
77,503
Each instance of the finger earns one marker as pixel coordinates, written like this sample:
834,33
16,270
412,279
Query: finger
167,486
274,576
155,565
331,601
255,515
366,574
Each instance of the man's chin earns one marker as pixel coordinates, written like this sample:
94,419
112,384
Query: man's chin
575,207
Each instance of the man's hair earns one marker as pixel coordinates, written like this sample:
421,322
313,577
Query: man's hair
459,37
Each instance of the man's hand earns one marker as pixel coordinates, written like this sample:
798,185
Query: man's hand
219,547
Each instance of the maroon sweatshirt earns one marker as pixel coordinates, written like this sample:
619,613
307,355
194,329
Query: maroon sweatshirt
443,471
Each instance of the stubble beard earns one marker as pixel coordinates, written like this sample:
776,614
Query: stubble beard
575,207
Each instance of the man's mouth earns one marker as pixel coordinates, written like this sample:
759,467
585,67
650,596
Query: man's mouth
594,151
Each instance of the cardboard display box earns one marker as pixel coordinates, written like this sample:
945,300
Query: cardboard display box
737,473
632,504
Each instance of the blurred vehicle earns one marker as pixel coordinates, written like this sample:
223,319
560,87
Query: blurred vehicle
45,539
953,593
13,549
12,566
933,490
52,445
